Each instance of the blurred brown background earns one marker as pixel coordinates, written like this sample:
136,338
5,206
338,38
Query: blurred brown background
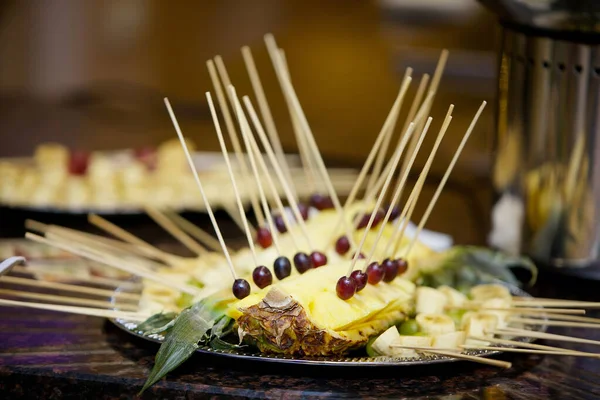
92,74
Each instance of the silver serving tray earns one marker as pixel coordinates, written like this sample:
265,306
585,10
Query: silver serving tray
382,362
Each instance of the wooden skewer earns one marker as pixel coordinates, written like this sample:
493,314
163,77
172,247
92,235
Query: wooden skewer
288,193
265,112
195,231
263,166
133,262
386,141
439,70
413,156
385,129
416,192
94,312
521,310
237,148
420,182
572,304
122,234
66,300
168,225
199,183
89,238
562,317
92,280
69,288
456,354
75,238
546,299
533,321
419,118
308,164
417,101
40,227
402,223
246,133
543,335
67,236
381,156
417,121
236,191
535,346
291,94
115,262
435,81
395,160
232,135
231,210
440,187
513,350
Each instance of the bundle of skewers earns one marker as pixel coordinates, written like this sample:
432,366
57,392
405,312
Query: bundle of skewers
323,279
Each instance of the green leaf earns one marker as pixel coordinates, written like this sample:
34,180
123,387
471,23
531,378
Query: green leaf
220,344
463,267
181,342
157,323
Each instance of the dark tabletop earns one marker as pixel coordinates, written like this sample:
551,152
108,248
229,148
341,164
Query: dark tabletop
52,355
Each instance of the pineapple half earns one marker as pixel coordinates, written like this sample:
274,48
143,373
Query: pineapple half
303,316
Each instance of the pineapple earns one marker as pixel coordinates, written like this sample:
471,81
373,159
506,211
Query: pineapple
304,316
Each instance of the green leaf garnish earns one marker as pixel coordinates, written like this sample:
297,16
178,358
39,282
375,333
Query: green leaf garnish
463,267
181,342
157,323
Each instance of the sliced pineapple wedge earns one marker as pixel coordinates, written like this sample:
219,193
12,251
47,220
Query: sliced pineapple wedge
304,315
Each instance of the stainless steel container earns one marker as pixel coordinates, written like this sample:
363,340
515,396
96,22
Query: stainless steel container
547,161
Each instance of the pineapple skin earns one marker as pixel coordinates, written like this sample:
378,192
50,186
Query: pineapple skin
279,324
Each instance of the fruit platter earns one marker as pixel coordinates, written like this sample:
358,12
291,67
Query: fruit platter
62,180
318,282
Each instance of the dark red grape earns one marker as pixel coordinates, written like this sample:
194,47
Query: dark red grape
262,276
402,265
375,273
342,245
78,162
321,202
241,288
280,224
264,238
395,213
318,259
147,155
364,221
361,279
345,287
303,208
390,269
302,262
282,267
379,216
361,256
144,151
